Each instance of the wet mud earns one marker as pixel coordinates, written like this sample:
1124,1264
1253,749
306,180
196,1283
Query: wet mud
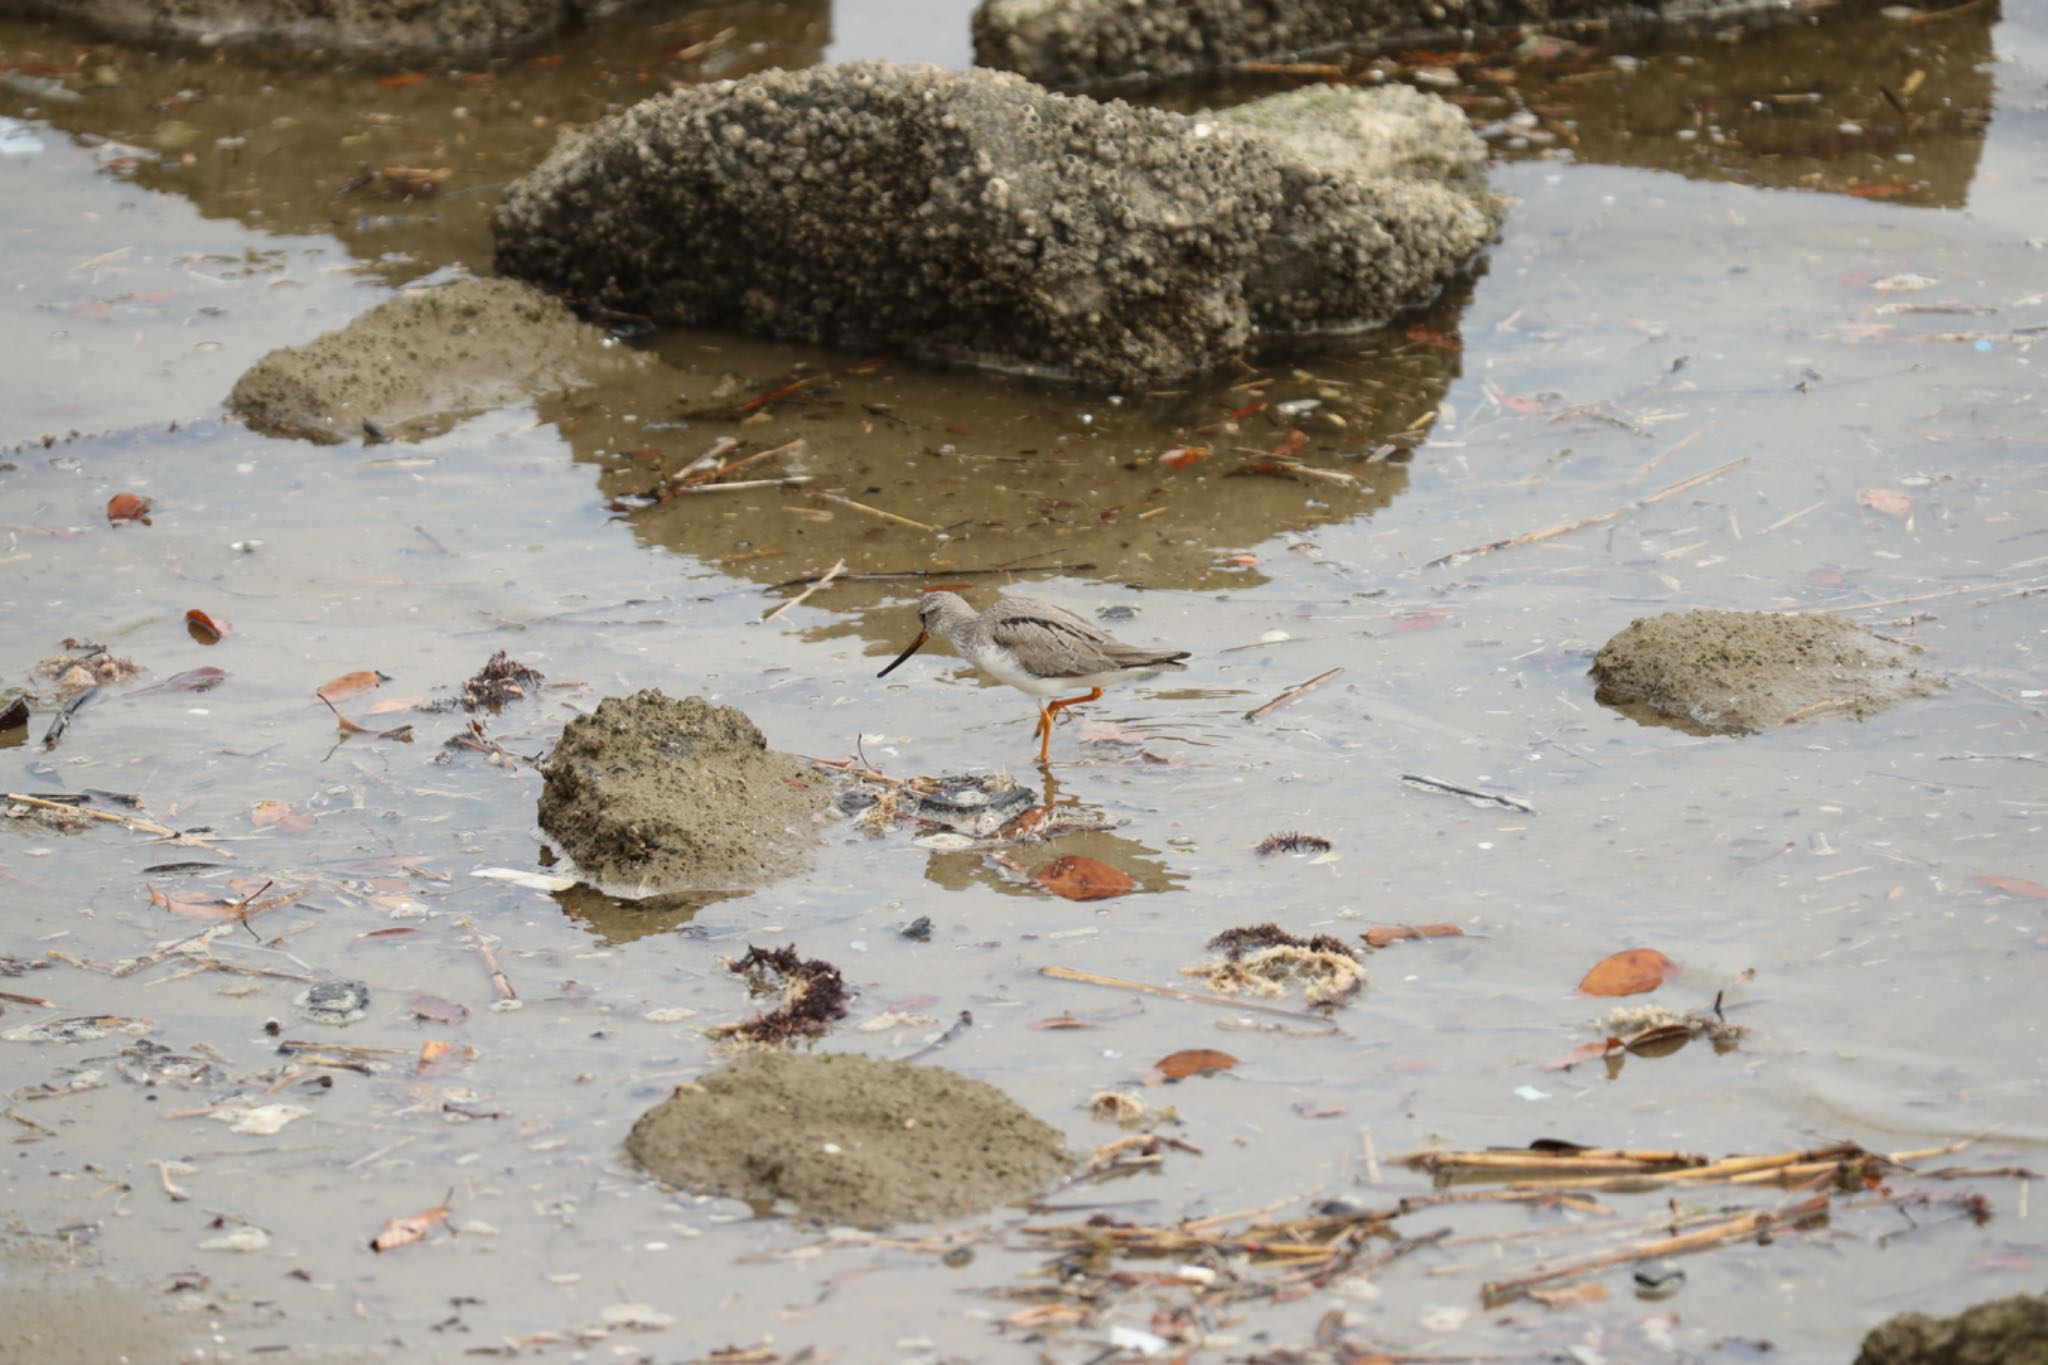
850,1139
1742,672
648,795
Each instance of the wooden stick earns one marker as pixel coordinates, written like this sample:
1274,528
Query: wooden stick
35,1000
1917,597
697,488
1743,1227
875,512
1566,528
804,596
892,575
489,959
1175,993
1292,694
1661,456
132,822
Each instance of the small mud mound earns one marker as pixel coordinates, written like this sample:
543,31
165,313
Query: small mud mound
851,1139
651,795
2001,1332
416,364
1737,672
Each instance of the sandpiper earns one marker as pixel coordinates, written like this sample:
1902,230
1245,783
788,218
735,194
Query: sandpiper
1034,647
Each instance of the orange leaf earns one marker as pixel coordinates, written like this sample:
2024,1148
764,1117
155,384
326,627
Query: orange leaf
281,814
1242,561
207,630
437,1056
1584,1052
1083,879
349,684
401,79
206,909
1630,972
1380,935
127,507
1885,500
1195,1061
1886,190
1062,1021
2014,886
1238,414
1293,443
1430,336
390,704
401,1231
1180,457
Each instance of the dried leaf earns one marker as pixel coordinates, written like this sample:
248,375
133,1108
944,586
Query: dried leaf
437,1057
379,935
1195,1061
207,630
1180,457
1430,336
191,680
402,1231
1380,935
210,908
2014,886
1629,972
283,815
1584,1052
1079,878
1062,1021
350,684
1885,500
127,507
390,704
435,1010
400,79
1293,443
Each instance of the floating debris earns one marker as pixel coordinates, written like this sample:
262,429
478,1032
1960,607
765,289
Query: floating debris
813,996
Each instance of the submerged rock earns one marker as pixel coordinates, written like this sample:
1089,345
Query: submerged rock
970,217
650,795
2011,1331
372,28
1744,671
415,364
851,1139
1074,42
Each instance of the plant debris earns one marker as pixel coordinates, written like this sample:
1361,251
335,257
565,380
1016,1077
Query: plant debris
499,683
813,996
1293,842
1265,959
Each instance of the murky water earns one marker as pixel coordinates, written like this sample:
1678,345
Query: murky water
1707,269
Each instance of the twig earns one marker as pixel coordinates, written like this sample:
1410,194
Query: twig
1453,789
35,1000
697,488
1742,1228
2023,584
1661,456
875,512
959,1026
1175,993
894,575
209,933
1782,522
489,959
804,596
1292,694
1566,528
132,822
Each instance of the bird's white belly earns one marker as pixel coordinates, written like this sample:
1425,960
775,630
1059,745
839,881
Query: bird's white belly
1002,665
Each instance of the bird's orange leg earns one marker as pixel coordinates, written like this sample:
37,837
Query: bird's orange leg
1053,708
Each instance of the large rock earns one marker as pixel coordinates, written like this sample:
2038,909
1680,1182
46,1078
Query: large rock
416,363
970,217
650,795
1075,42
1743,671
2010,1331
388,29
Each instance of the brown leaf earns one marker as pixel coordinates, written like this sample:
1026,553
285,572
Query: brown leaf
399,1232
2014,886
400,79
1063,1021
1629,972
1195,1061
390,704
1380,935
1293,443
437,1057
380,935
1430,336
1584,1052
207,630
1885,500
283,815
127,507
350,684
1180,457
1571,1295
210,908
1080,878
435,1010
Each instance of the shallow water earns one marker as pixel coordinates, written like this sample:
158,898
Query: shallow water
1692,288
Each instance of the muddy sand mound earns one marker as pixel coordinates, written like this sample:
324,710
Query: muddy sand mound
2010,1331
650,795
969,217
850,1139
1719,672
414,365
370,28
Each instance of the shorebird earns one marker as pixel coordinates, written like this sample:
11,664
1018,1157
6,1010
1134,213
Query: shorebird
1034,647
